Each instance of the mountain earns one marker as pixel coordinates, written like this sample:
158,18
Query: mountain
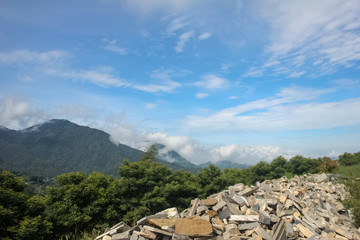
225,164
60,146
174,157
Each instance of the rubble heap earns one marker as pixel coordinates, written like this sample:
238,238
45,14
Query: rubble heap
306,207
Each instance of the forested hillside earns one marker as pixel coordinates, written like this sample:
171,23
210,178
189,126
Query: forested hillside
60,146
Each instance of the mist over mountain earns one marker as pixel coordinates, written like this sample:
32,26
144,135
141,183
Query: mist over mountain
225,164
60,146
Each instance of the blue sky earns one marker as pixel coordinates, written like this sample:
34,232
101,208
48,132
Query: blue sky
215,80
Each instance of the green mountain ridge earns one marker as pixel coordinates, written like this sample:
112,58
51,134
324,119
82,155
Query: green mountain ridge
60,146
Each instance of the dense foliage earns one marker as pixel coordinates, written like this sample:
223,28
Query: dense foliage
79,203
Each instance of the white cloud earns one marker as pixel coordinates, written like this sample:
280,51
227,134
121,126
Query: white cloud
296,74
111,46
177,24
324,33
168,86
17,113
101,77
149,105
204,36
201,95
26,56
254,72
212,81
183,38
290,109
346,83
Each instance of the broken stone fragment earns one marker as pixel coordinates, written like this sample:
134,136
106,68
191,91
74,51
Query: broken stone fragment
304,230
219,206
193,227
218,224
156,230
121,236
145,234
264,217
343,232
194,206
247,226
201,209
162,222
244,218
208,202
265,235
289,230
240,200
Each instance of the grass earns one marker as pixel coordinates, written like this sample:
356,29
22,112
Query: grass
352,182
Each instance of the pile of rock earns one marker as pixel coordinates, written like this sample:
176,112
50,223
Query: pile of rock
305,207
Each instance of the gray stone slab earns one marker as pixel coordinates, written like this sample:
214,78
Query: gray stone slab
248,226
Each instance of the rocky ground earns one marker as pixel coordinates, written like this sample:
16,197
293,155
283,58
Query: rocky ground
307,207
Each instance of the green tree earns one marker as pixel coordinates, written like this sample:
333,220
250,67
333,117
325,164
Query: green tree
348,159
277,167
299,165
20,214
141,188
261,171
210,180
78,202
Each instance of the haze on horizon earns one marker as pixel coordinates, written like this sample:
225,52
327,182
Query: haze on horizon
214,80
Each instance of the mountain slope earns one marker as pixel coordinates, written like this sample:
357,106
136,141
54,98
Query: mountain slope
174,157
60,146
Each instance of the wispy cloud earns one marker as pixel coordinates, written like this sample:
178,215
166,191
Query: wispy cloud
100,77
26,56
201,95
177,24
111,46
212,81
204,36
183,38
290,109
163,82
325,35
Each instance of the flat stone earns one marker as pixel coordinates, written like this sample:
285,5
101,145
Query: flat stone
289,230
265,235
264,217
247,226
218,224
304,230
343,232
208,202
193,227
279,231
134,236
162,222
201,209
210,213
145,234
244,218
240,200
219,206
195,204
107,237
156,230
224,213
120,236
